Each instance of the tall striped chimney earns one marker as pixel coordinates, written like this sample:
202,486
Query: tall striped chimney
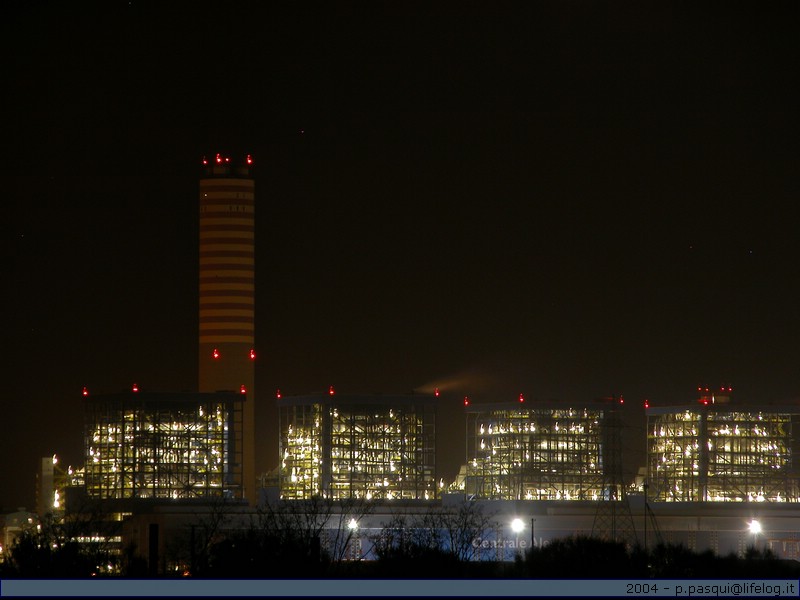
227,294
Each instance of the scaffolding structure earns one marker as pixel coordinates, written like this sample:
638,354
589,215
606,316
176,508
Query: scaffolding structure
357,447
518,451
723,453
613,519
146,445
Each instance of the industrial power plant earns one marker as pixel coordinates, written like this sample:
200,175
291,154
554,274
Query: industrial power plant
714,465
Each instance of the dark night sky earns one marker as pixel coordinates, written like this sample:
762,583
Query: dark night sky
566,199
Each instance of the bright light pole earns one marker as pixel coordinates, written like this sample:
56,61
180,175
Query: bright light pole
755,529
517,526
352,543
533,533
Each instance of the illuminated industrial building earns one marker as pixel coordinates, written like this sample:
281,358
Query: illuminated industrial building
351,446
720,451
157,445
53,480
540,451
227,293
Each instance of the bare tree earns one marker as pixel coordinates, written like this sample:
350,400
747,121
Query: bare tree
314,530
446,532
394,539
208,530
343,532
459,529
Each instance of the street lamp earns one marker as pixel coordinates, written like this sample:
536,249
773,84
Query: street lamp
533,532
517,526
755,528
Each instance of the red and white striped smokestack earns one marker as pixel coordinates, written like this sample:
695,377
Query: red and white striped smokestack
227,292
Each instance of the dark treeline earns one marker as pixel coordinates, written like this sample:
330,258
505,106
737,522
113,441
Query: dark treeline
318,540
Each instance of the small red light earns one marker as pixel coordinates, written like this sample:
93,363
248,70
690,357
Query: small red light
85,391
205,161
219,159
466,401
646,404
436,392
278,393
215,354
135,387
252,354
227,159
730,389
699,389
331,391
621,400
249,160
242,390
521,398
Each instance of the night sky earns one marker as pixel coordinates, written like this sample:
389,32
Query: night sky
563,199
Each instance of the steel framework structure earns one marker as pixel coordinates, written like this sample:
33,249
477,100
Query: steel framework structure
535,452
723,453
613,519
357,447
146,445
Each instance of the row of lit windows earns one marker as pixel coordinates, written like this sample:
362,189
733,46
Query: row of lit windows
498,488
